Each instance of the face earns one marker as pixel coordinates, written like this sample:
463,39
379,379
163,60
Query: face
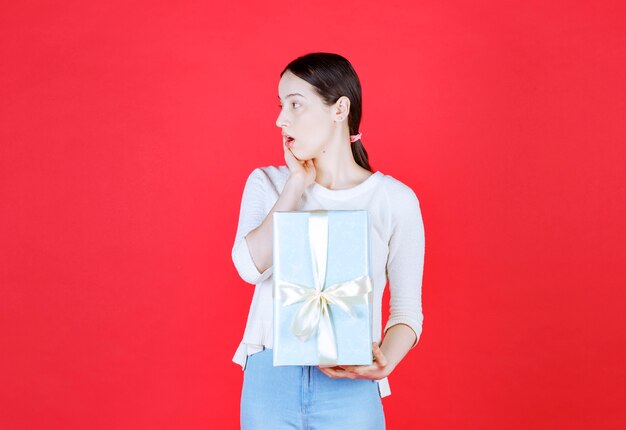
304,116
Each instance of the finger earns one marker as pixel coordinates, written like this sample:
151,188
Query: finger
379,357
324,371
328,372
290,158
359,371
353,369
334,372
328,366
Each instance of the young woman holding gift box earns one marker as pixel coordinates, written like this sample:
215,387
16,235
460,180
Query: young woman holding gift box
326,168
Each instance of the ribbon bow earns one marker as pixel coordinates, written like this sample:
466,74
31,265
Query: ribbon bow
314,313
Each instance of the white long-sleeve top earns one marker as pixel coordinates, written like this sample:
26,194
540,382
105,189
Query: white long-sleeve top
397,254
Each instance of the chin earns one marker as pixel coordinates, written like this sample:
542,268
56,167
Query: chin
300,156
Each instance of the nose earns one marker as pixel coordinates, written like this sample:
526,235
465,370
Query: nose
281,120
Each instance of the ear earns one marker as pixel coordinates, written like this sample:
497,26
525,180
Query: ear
342,108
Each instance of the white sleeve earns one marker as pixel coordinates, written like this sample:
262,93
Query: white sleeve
405,263
251,215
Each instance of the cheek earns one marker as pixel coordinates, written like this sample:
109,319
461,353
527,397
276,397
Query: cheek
313,123
315,134
308,125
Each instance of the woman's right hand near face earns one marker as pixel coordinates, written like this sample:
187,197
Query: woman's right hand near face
302,170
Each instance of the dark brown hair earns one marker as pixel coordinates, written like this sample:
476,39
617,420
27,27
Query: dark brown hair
333,76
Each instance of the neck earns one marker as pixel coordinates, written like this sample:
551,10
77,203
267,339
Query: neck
336,168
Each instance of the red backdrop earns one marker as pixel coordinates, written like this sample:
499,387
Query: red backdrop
128,130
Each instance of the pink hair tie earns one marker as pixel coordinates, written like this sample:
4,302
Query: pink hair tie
355,137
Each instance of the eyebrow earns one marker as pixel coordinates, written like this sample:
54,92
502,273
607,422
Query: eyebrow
292,94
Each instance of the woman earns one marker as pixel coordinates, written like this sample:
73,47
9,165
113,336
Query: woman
326,167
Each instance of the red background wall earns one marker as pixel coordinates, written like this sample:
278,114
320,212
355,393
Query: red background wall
128,130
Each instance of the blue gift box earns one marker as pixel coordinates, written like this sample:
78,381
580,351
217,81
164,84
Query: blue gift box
322,291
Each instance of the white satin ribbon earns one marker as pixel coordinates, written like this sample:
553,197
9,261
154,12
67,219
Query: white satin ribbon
314,312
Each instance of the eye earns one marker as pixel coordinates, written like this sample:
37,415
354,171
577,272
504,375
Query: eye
292,103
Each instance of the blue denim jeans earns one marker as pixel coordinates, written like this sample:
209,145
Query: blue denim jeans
302,397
